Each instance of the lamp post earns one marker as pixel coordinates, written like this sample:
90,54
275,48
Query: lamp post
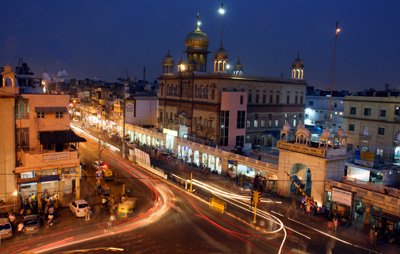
222,12
333,74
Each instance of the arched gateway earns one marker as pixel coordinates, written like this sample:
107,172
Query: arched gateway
309,164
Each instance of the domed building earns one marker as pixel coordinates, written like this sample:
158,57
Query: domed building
168,64
223,109
238,68
220,60
297,68
197,49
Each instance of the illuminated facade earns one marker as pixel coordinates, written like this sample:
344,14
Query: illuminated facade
191,101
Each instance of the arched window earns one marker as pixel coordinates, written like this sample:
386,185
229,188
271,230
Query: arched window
207,92
212,94
196,92
201,91
167,90
176,90
162,89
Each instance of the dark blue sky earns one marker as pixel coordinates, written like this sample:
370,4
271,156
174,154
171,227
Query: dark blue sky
103,38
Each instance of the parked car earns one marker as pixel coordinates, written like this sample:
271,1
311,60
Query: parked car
31,224
5,228
164,157
99,165
77,207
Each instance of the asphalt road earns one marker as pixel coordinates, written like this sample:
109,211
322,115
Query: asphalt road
171,220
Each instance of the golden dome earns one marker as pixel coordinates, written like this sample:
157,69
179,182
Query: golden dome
297,63
197,39
221,53
168,59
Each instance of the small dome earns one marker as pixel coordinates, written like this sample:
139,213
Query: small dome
238,66
326,134
341,133
297,63
197,39
8,68
287,127
168,59
181,62
303,131
221,53
301,126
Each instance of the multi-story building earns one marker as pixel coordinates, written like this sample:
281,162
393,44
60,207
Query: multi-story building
225,109
317,112
373,124
46,160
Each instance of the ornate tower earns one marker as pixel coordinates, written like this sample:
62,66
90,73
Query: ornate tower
220,60
238,68
168,65
197,49
297,68
8,74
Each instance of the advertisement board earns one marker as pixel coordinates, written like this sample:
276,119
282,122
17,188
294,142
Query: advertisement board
342,196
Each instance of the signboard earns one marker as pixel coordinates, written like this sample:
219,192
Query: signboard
129,111
320,152
365,159
56,156
170,132
342,196
99,174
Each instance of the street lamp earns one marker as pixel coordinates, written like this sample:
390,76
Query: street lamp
222,12
333,73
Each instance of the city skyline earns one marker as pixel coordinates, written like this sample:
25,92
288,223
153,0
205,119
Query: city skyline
91,38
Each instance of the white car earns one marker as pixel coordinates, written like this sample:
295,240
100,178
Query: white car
77,207
99,165
5,228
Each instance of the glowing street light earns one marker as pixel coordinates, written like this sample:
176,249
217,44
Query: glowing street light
15,193
221,10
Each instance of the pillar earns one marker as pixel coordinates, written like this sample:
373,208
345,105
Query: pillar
60,191
39,189
224,167
77,183
367,213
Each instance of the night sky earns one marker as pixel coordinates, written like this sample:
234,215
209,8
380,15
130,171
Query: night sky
90,38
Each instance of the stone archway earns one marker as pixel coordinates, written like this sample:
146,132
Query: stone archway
302,176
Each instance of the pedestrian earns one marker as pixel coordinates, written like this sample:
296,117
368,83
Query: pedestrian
335,224
87,214
21,228
11,217
51,210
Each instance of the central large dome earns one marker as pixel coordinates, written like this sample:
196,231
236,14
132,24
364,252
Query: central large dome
197,40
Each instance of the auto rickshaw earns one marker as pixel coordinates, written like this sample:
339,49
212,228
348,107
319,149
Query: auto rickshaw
127,207
108,174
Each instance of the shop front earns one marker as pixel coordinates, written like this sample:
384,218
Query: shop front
170,137
196,158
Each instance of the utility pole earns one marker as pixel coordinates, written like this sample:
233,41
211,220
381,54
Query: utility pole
333,75
123,122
